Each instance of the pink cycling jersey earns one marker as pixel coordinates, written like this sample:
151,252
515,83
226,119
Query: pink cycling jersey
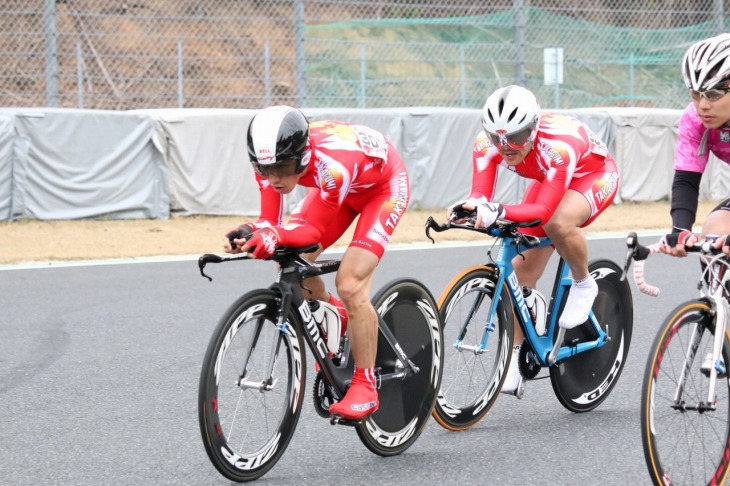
566,155
688,156
353,171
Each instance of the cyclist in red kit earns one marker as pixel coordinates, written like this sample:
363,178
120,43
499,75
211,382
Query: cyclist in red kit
352,170
574,179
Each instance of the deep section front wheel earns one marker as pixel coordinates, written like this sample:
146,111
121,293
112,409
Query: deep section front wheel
473,374
686,438
584,381
247,419
411,314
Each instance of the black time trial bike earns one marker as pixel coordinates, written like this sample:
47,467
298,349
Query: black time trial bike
252,382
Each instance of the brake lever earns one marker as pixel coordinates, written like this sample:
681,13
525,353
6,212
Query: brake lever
631,241
525,241
429,222
213,258
205,259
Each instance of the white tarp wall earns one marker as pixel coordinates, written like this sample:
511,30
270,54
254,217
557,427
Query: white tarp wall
207,160
67,164
644,151
644,143
70,164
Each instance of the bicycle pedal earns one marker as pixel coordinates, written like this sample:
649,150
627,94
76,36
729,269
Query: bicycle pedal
337,420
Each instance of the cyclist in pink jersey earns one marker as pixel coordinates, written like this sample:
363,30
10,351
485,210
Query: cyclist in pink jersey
703,129
574,179
352,170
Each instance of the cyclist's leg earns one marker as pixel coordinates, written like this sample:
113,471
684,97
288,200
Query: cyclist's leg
580,205
380,212
529,267
407,309
563,228
314,287
529,270
717,223
353,282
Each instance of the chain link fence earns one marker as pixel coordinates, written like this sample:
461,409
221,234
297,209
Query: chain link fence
119,55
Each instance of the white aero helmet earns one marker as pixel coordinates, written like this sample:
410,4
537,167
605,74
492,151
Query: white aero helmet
706,63
510,116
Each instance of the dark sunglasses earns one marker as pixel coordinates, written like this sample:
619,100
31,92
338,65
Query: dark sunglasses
285,168
515,140
710,94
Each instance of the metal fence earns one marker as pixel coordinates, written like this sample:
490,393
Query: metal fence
114,54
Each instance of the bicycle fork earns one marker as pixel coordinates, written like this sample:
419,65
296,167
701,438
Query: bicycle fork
720,309
720,323
481,346
267,383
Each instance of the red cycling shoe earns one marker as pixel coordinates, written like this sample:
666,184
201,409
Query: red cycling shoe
361,399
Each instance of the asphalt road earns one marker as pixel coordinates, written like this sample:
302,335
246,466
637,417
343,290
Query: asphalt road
99,370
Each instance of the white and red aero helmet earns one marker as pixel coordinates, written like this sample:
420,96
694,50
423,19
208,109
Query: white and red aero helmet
278,133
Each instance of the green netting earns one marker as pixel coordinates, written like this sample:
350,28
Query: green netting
457,61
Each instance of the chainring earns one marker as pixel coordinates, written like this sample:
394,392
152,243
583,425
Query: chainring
322,396
527,362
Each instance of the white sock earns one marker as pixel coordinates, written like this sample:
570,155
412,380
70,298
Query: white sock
513,374
580,300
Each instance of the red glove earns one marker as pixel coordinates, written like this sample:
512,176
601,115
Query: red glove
263,243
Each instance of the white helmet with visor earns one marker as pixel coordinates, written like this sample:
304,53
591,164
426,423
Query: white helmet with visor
510,117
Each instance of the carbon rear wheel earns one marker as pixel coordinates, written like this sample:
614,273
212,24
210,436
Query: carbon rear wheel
410,312
583,382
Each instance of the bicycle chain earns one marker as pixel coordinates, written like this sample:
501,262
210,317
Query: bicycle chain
322,396
527,363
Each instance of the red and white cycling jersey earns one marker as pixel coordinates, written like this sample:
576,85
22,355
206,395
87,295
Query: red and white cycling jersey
691,130
353,171
566,155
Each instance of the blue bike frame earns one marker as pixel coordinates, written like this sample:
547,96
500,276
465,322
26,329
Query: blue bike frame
546,353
